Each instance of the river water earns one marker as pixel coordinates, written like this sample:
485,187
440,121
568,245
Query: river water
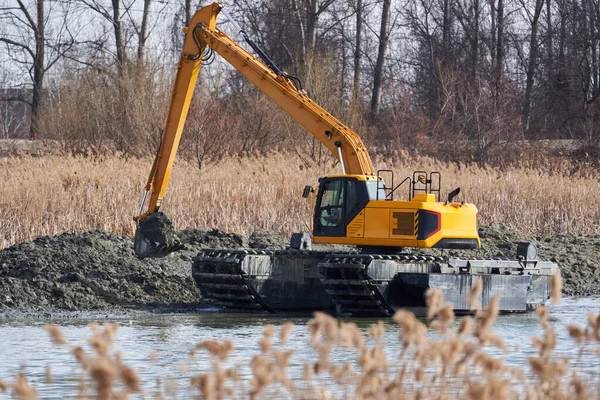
26,346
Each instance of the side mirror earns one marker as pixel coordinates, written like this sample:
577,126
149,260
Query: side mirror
307,191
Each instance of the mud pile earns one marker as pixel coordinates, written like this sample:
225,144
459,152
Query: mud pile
99,271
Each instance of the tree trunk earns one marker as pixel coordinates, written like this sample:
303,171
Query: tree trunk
302,30
593,34
38,70
561,43
357,48
499,48
116,22
143,31
549,38
378,73
188,11
311,25
446,32
493,33
533,52
475,41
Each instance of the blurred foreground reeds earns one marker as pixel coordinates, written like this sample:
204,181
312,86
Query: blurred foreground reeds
439,358
54,194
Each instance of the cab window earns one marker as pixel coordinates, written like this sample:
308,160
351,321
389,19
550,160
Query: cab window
332,203
353,203
376,190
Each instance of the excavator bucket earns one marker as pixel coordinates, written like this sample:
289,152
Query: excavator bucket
155,237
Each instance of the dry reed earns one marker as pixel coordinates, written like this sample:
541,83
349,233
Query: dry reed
54,194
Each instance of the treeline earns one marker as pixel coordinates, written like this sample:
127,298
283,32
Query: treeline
468,80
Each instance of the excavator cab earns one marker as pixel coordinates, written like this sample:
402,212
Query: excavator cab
339,201
360,210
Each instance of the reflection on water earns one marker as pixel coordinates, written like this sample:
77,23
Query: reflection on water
26,345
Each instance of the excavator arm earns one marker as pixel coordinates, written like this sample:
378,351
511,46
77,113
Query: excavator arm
185,82
152,238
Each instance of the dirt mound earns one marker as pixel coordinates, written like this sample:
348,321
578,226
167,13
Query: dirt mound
196,239
93,270
99,271
265,240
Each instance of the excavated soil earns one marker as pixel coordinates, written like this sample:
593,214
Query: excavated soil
99,271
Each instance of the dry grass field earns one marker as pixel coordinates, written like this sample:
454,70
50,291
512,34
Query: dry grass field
53,194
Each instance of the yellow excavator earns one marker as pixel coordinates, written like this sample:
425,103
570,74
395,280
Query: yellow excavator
352,208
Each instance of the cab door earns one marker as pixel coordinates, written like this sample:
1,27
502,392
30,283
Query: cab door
338,202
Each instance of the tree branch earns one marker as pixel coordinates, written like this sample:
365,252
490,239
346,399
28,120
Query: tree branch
21,45
28,16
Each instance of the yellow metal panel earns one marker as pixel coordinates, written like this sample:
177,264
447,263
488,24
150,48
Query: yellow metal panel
377,223
424,197
404,223
457,221
356,227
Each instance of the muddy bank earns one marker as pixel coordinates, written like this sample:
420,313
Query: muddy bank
98,270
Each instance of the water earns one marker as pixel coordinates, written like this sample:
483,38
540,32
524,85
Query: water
26,346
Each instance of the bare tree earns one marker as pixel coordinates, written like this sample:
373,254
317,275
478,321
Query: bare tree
357,50
446,31
293,42
27,45
112,14
499,46
142,32
188,11
127,24
143,28
383,44
469,17
309,24
534,19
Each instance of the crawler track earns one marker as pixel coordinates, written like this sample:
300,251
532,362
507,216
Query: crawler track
351,289
363,284
354,291
220,277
